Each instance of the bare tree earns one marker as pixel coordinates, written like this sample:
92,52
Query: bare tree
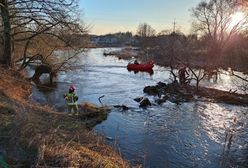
213,19
26,23
5,18
146,36
197,75
145,30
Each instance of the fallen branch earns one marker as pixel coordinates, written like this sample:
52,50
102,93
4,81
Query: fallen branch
99,99
240,77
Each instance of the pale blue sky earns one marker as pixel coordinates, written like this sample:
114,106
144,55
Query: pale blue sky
110,16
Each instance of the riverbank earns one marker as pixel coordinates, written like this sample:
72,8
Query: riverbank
185,93
32,135
195,62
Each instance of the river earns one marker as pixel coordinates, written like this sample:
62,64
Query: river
195,134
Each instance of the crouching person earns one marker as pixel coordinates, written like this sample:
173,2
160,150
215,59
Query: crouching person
71,100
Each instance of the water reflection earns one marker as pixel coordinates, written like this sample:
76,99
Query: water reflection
196,134
151,72
188,135
226,81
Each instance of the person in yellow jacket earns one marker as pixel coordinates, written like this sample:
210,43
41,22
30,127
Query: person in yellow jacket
71,100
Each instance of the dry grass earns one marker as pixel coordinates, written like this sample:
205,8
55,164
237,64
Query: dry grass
13,85
73,154
35,136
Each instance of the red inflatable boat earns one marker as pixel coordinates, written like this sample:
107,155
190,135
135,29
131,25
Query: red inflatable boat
140,67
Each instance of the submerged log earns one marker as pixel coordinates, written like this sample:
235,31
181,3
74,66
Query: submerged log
223,96
109,53
123,107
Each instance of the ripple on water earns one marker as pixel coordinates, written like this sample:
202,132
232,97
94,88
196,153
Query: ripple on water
197,134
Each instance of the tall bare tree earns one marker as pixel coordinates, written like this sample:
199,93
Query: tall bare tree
5,18
50,21
146,35
213,20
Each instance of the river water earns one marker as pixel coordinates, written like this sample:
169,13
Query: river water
196,134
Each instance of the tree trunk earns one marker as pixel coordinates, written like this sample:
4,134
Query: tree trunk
41,69
197,85
6,36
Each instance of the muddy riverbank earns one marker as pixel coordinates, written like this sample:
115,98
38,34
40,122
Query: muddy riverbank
32,135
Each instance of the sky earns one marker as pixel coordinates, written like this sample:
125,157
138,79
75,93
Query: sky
111,16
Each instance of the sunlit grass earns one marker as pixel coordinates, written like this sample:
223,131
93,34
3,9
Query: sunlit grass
55,139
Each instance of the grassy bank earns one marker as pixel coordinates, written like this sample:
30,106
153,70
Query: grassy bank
36,136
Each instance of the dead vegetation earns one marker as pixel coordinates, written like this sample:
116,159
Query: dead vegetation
36,136
177,94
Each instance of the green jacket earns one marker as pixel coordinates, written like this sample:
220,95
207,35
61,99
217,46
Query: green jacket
71,98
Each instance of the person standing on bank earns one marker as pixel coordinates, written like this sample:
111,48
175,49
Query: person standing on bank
183,75
71,101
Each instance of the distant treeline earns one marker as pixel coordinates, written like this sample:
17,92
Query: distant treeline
185,49
177,48
114,40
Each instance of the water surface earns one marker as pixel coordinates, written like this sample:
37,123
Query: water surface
195,134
